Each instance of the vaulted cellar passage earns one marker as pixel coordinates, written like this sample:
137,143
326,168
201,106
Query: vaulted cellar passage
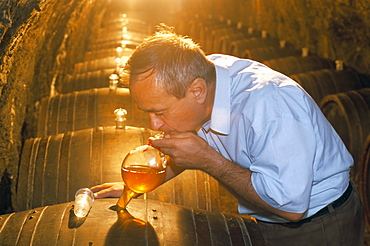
63,90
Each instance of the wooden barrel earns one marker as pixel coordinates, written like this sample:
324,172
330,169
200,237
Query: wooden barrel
238,47
87,109
222,45
199,29
205,30
113,44
99,54
298,64
268,53
98,64
132,24
53,168
191,29
213,44
223,38
197,189
323,82
364,185
104,36
186,26
146,222
349,113
85,81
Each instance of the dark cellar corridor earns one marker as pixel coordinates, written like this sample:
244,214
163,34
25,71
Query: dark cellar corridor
63,89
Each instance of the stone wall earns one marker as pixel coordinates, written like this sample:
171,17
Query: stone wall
39,40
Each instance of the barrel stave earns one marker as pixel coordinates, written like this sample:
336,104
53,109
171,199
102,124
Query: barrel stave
146,222
86,109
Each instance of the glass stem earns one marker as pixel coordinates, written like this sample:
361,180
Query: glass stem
125,198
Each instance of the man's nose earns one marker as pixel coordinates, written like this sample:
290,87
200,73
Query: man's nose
155,122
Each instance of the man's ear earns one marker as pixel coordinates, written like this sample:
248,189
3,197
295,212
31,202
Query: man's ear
198,89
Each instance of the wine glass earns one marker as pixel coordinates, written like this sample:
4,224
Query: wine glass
142,170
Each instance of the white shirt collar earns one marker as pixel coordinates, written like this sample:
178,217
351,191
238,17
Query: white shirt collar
220,117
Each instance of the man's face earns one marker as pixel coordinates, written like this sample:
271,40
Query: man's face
166,112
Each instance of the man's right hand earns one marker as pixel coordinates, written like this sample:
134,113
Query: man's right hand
108,190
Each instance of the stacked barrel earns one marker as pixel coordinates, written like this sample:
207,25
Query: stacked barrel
342,94
83,134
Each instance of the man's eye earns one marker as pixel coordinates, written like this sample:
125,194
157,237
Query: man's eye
158,114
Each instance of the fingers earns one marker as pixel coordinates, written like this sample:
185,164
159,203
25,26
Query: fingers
101,187
159,143
108,190
169,140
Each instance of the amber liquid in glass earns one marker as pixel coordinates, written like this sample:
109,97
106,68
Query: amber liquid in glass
142,179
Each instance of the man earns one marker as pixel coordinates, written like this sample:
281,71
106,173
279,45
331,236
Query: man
256,131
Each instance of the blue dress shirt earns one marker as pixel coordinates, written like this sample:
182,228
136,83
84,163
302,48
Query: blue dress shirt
264,121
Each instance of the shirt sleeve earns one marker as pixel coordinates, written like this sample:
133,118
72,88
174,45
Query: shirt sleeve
282,164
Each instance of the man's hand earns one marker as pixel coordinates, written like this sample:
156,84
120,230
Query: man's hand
108,190
186,149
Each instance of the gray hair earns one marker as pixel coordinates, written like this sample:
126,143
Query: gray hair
177,60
